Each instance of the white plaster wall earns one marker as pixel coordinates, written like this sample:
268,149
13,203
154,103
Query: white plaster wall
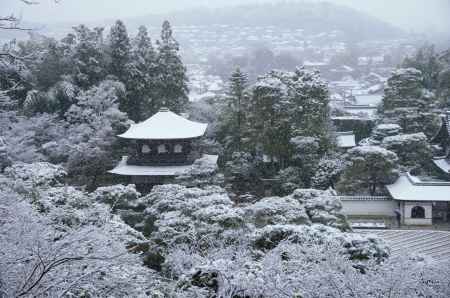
369,207
428,220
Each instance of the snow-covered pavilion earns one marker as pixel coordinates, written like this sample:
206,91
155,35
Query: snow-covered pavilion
162,147
421,202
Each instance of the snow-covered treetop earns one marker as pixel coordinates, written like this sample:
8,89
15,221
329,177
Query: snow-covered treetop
371,150
383,130
40,173
402,138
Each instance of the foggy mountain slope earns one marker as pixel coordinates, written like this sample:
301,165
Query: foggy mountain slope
312,17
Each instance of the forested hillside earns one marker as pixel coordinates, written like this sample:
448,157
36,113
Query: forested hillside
313,17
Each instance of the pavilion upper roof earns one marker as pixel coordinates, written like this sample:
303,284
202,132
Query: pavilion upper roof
165,125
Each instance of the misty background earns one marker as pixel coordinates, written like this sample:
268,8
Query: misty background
420,16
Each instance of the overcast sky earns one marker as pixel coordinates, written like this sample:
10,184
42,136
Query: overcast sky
418,15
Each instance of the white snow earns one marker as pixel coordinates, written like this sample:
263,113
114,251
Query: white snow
130,170
410,188
165,125
443,164
346,140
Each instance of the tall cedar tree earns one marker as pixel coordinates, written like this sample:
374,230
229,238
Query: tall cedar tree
171,85
89,57
238,84
119,46
142,76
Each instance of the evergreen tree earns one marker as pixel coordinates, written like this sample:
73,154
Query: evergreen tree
233,116
89,57
427,61
286,105
51,67
119,47
407,103
171,86
142,76
369,169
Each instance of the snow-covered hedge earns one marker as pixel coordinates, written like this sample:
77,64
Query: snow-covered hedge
385,130
303,206
38,174
118,196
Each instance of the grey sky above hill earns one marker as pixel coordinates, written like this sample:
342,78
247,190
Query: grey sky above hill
417,15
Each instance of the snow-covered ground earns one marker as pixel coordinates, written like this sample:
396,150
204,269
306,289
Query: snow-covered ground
435,244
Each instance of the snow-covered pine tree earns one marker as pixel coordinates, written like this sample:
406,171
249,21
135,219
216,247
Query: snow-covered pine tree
238,83
141,76
119,47
232,118
369,169
408,103
171,87
89,57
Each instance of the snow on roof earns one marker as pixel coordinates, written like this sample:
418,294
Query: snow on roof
410,188
130,170
443,164
165,125
369,99
444,129
345,139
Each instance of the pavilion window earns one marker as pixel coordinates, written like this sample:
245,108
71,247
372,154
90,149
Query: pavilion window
418,212
178,148
162,149
146,149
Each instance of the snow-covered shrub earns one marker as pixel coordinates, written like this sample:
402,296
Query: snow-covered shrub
177,214
67,206
327,172
175,211
322,207
303,206
275,210
40,258
407,103
204,171
356,246
404,89
313,261
385,130
288,179
413,150
118,196
306,156
36,174
241,166
5,161
241,171
25,137
369,169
